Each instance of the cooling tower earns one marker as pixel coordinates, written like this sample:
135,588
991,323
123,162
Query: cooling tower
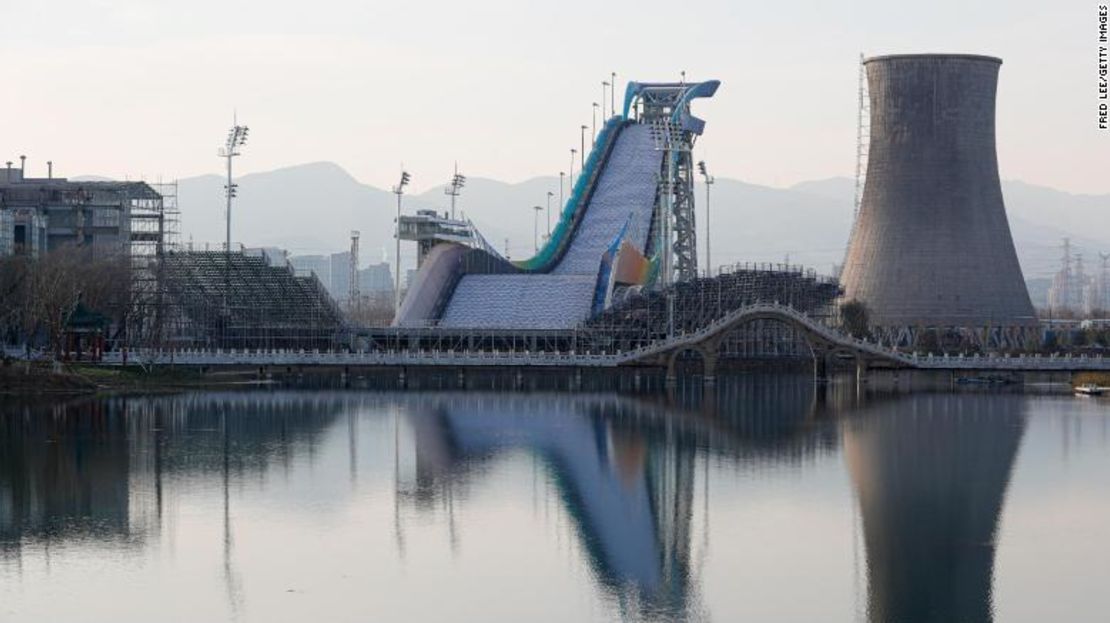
931,246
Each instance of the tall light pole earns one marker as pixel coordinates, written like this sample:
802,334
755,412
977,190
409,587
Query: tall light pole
709,179
604,91
236,138
571,184
583,152
612,93
549,196
562,201
458,180
594,117
536,228
398,190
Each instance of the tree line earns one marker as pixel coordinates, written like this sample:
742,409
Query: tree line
38,296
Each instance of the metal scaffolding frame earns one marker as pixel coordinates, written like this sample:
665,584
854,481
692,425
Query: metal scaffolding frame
211,299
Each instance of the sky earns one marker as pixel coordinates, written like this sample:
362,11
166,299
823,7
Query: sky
143,89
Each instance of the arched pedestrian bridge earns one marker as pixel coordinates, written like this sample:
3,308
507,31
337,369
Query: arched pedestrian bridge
825,344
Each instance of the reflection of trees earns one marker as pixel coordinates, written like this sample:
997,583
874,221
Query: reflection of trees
930,472
96,468
62,475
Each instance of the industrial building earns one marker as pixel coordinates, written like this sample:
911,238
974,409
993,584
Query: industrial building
930,249
40,214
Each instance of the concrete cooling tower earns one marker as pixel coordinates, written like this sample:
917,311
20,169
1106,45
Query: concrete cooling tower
931,246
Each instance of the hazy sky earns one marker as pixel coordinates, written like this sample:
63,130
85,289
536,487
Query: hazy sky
142,88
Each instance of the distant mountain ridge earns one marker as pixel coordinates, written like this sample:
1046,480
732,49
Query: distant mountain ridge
312,208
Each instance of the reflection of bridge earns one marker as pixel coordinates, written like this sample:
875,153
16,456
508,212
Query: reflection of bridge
592,349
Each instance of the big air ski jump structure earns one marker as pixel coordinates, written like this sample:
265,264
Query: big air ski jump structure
628,225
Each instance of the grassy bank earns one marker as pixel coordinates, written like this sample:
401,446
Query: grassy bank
19,378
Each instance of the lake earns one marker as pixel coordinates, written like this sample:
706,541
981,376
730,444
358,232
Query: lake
757,499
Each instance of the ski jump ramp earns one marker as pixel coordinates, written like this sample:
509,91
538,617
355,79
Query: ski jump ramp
613,211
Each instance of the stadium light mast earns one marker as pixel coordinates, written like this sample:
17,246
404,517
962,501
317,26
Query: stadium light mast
709,180
549,196
458,180
562,202
582,134
612,93
594,123
571,184
604,91
536,228
236,138
399,190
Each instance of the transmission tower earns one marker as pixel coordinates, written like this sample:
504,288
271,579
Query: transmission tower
353,295
1103,283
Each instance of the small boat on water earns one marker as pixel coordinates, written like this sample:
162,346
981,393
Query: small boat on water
1088,389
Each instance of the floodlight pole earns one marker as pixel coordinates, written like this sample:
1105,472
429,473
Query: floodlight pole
236,138
398,190
536,229
230,192
549,195
453,189
604,90
594,124
562,201
612,93
583,152
709,180
571,184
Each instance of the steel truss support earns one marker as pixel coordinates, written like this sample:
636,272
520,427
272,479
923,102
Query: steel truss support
674,221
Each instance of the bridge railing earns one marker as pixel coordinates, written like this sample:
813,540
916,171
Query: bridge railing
735,318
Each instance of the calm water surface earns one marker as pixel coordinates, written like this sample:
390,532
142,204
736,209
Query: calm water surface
756,501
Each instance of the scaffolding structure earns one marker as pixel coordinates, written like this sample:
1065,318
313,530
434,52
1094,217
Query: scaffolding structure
643,317
148,233
673,221
212,299
640,318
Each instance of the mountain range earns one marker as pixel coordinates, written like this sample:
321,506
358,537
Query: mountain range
312,208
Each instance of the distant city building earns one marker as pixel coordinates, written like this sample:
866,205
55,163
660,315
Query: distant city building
319,265
339,283
274,256
376,279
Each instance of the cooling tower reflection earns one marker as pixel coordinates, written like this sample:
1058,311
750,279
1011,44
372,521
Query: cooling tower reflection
930,473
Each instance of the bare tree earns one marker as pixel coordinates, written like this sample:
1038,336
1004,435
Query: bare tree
855,319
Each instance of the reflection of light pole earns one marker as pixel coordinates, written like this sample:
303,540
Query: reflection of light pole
594,131
236,138
549,195
709,179
399,190
571,184
536,229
